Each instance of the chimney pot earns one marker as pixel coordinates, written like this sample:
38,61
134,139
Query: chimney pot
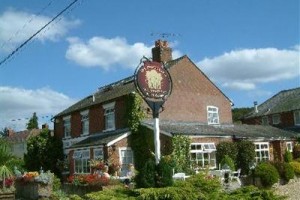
161,52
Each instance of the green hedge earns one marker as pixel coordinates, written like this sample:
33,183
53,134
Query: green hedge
267,173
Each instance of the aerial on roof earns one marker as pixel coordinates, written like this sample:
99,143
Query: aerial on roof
284,101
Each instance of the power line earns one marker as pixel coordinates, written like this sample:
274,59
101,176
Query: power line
30,38
29,21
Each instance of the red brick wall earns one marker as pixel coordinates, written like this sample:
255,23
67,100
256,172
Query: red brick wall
59,128
192,93
96,119
76,124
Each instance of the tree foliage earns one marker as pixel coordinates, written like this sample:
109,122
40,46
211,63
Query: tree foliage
43,151
33,122
226,148
246,155
181,153
238,113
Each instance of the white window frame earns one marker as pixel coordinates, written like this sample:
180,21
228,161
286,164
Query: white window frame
98,154
262,151
289,146
125,160
297,117
109,116
213,115
276,119
204,154
265,120
67,126
81,161
85,122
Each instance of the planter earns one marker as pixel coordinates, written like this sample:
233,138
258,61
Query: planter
7,196
33,190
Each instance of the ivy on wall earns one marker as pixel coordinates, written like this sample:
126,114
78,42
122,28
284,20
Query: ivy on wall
181,153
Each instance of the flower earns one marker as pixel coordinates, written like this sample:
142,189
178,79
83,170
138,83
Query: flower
88,179
97,164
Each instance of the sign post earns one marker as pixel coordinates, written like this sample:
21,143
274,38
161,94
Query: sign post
154,83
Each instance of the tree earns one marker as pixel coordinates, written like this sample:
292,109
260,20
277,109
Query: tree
4,132
33,122
238,113
43,151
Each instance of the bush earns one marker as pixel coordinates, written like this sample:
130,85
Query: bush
165,172
285,170
228,161
288,156
267,173
146,177
296,151
246,155
226,148
296,166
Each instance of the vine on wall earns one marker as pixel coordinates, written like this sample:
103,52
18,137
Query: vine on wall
181,153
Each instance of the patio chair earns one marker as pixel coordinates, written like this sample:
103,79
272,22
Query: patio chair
235,175
181,176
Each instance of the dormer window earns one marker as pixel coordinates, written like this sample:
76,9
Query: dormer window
276,119
67,126
212,115
109,116
85,122
265,120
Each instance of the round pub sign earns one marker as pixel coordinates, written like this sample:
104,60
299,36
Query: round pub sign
153,81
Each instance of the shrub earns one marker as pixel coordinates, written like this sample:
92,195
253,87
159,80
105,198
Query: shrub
165,172
267,173
228,161
285,170
246,155
146,177
296,151
296,166
226,148
288,156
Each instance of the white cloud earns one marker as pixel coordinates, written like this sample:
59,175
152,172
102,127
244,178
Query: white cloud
18,104
106,53
244,69
18,26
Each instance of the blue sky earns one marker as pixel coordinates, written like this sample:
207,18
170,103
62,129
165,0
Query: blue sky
249,49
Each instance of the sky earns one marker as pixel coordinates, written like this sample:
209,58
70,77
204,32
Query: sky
250,49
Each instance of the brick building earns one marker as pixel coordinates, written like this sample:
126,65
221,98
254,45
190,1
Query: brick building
95,127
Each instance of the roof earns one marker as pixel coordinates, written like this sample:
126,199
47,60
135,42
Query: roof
238,131
284,101
102,138
117,89
22,136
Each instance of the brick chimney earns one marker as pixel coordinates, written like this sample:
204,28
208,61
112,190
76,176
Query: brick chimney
161,52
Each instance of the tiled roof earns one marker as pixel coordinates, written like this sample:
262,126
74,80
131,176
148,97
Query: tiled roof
109,92
22,135
239,131
284,101
100,138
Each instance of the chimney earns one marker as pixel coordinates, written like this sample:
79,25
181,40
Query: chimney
45,126
255,107
161,52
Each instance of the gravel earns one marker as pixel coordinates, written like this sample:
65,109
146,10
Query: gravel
291,190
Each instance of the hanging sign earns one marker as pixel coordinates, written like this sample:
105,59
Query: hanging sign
153,81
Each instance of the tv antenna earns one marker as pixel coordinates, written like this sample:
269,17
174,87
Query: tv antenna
165,35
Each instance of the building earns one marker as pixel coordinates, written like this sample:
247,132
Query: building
96,127
282,111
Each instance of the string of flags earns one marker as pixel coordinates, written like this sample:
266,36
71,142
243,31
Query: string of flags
39,117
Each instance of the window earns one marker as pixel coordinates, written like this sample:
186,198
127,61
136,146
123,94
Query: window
264,120
262,151
85,122
67,127
109,116
297,117
212,115
126,156
81,161
276,119
98,154
203,155
289,146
